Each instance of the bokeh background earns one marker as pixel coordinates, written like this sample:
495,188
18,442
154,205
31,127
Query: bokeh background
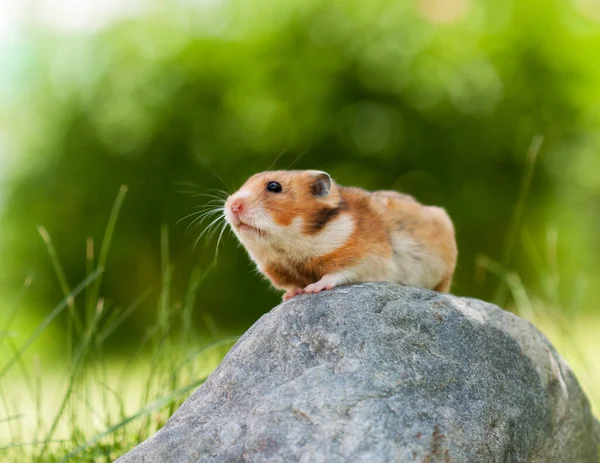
438,98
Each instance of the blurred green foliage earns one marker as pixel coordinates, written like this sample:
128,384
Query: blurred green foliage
437,99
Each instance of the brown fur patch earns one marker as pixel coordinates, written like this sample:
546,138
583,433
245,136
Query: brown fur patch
323,216
299,275
369,237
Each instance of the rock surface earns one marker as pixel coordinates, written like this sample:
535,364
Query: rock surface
383,373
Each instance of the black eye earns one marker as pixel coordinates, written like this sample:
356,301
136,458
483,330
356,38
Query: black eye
274,187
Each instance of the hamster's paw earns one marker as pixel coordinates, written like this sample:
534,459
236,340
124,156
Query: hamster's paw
328,281
292,293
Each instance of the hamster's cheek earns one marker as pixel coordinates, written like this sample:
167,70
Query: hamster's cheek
297,225
264,220
293,231
282,214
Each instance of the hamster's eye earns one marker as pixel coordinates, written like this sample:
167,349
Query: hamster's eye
274,187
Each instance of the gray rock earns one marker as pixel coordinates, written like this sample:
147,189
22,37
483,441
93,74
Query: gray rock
383,373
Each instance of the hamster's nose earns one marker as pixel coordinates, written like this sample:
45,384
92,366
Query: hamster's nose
237,206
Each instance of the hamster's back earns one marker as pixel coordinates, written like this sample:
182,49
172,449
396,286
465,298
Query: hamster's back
424,231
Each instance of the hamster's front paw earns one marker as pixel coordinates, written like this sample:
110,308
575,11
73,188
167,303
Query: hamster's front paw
328,281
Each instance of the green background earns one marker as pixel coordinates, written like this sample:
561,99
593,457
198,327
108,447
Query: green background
437,99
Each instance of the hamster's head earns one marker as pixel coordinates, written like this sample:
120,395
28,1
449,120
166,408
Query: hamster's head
280,207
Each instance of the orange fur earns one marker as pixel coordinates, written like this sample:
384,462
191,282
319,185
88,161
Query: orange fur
315,234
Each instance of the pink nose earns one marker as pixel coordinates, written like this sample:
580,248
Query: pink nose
237,206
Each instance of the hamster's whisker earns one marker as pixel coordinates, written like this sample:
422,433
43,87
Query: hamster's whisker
215,200
198,220
187,188
210,225
209,195
201,214
297,159
187,192
223,228
225,194
210,205
185,183
215,232
210,211
191,215
277,158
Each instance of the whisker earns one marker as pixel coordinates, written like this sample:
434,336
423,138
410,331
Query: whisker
187,192
223,228
192,215
213,231
276,159
297,159
208,195
210,225
186,187
214,202
201,212
186,184
198,220
218,190
211,207
212,171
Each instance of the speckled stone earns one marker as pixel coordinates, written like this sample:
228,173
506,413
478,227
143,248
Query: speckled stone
383,373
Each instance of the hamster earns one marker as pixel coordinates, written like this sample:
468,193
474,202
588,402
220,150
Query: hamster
306,234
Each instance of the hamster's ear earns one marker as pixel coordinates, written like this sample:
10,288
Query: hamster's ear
321,184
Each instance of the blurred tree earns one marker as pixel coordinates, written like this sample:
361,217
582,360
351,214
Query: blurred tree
440,101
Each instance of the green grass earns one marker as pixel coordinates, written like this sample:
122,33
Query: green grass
93,409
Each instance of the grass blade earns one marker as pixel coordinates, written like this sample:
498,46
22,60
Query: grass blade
197,278
11,418
104,248
31,444
114,324
157,404
6,331
79,361
62,280
513,231
49,318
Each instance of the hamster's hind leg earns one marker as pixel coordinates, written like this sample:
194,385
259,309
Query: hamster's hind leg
444,285
291,293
